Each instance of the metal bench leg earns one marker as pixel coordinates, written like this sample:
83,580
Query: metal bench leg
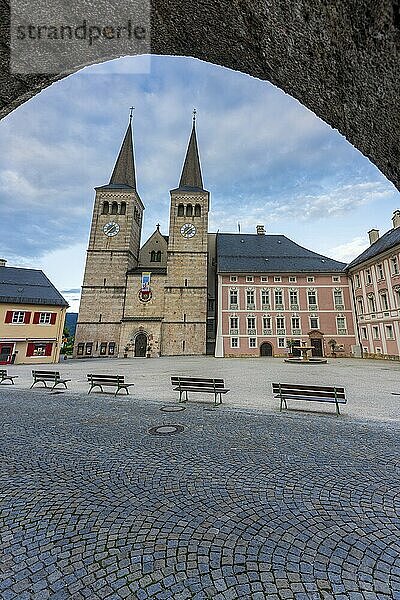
337,409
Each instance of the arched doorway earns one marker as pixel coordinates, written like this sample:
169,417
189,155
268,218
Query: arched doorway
141,345
266,349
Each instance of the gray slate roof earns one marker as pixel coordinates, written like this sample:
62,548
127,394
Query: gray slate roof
389,240
28,286
191,177
252,253
124,170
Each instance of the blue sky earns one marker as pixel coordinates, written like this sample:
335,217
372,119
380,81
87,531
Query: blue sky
265,158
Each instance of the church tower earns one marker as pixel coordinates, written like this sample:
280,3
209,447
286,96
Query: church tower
113,249
185,311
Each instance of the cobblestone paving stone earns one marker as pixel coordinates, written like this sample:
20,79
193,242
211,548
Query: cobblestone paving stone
241,504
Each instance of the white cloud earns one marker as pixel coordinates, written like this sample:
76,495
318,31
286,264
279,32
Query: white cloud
350,250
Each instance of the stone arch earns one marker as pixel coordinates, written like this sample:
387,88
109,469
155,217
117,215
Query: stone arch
106,208
181,210
114,208
266,349
189,210
340,60
122,210
197,210
140,341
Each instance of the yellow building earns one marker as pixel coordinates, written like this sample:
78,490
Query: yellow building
32,315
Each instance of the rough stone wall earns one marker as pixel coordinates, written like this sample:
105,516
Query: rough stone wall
340,59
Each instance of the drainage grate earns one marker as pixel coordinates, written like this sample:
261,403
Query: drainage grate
166,429
173,409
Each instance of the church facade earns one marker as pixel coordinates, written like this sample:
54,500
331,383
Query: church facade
151,300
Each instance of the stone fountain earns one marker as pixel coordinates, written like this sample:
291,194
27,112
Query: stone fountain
305,358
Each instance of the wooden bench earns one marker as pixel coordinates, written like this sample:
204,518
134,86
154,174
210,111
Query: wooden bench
309,393
183,385
100,381
4,376
51,376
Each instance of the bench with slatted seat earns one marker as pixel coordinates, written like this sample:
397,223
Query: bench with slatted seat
53,377
100,381
4,376
183,385
309,393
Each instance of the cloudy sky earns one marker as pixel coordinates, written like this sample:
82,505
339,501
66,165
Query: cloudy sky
265,159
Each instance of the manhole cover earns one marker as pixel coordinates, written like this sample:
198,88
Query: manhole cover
173,409
166,429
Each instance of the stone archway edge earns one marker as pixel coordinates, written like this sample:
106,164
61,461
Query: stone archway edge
340,59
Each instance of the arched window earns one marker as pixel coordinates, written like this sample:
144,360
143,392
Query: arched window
158,256
197,210
189,210
106,208
114,208
181,210
153,256
122,210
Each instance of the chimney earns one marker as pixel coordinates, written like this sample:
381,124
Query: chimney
260,230
396,219
373,236
2,262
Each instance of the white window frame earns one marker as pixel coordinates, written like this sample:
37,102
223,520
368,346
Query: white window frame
380,272
250,305
364,333
45,318
264,279
368,277
249,279
316,319
281,342
357,281
233,304
341,330
394,265
376,334
233,279
252,342
384,295
310,279
278,279
235,342
387,331
292,279
18,317
335,278
279,304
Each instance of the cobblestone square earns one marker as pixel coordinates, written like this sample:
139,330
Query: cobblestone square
245,502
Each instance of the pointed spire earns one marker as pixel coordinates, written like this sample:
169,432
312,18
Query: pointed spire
124,170
191,173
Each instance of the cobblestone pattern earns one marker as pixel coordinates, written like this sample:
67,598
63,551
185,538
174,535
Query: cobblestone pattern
239,505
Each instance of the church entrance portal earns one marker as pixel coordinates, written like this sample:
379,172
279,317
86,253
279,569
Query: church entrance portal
141,345
266,349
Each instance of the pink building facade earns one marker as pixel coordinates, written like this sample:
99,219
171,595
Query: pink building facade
375,278
305,298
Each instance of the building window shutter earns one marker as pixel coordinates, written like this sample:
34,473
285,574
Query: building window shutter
49,348
36,317
9,316
30,349
27,318
53,318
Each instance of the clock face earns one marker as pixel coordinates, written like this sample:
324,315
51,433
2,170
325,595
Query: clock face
188,230
111,228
